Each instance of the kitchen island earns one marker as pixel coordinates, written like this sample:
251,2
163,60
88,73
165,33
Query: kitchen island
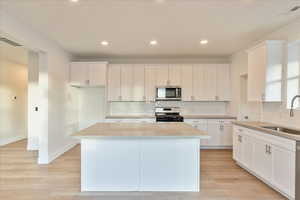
140,157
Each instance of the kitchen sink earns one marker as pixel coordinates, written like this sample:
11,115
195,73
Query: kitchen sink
282,129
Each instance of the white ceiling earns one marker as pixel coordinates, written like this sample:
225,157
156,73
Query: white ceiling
178,25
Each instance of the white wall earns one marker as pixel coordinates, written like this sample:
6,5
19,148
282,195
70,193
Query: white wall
56,95
239,106
91,106
269,112
13,98
33,101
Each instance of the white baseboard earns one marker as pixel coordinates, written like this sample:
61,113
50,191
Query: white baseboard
33,144
58,153
12,139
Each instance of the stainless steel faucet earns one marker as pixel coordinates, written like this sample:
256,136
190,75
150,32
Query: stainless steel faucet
292,105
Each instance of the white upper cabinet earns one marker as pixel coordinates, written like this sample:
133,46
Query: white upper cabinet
138,83
223,82
97,74
204,83
78,74
187,83
175,75
209,82
84,74
114,83
126,82
150,82
265,65
162,75
168,75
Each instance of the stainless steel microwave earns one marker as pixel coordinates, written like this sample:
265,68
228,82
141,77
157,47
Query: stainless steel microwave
168,94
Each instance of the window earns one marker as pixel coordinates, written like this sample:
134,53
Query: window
293,73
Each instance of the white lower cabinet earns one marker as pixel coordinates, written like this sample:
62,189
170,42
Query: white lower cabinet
283,162
262,161
220,132
270,158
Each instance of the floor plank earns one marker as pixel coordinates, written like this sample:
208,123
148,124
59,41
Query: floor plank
22,179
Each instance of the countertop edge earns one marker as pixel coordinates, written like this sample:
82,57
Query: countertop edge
143,137
185,116
267,131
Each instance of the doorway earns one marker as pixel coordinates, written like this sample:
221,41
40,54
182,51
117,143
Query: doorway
20,96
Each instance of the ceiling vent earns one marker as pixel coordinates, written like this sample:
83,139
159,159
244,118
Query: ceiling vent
10,42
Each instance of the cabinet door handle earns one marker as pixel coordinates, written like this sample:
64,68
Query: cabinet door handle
267,148
240,139
221,127
270,152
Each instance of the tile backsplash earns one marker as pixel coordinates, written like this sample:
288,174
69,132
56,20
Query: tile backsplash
146,108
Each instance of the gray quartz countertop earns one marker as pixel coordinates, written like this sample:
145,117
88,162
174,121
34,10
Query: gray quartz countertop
258,126
145,130
185,116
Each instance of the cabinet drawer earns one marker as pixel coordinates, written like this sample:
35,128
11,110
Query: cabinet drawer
272,139
195,121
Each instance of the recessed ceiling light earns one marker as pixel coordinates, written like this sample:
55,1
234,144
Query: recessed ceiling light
203,41
153,42
104,43
74,1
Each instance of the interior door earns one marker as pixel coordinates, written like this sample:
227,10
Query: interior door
114,83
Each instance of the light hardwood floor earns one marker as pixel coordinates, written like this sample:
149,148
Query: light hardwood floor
22,179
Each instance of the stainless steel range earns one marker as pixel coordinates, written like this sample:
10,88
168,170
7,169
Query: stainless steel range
168,114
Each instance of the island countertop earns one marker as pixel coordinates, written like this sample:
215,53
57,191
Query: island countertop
175,129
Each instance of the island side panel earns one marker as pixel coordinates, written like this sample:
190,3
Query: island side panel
110,165
136,164
170,165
